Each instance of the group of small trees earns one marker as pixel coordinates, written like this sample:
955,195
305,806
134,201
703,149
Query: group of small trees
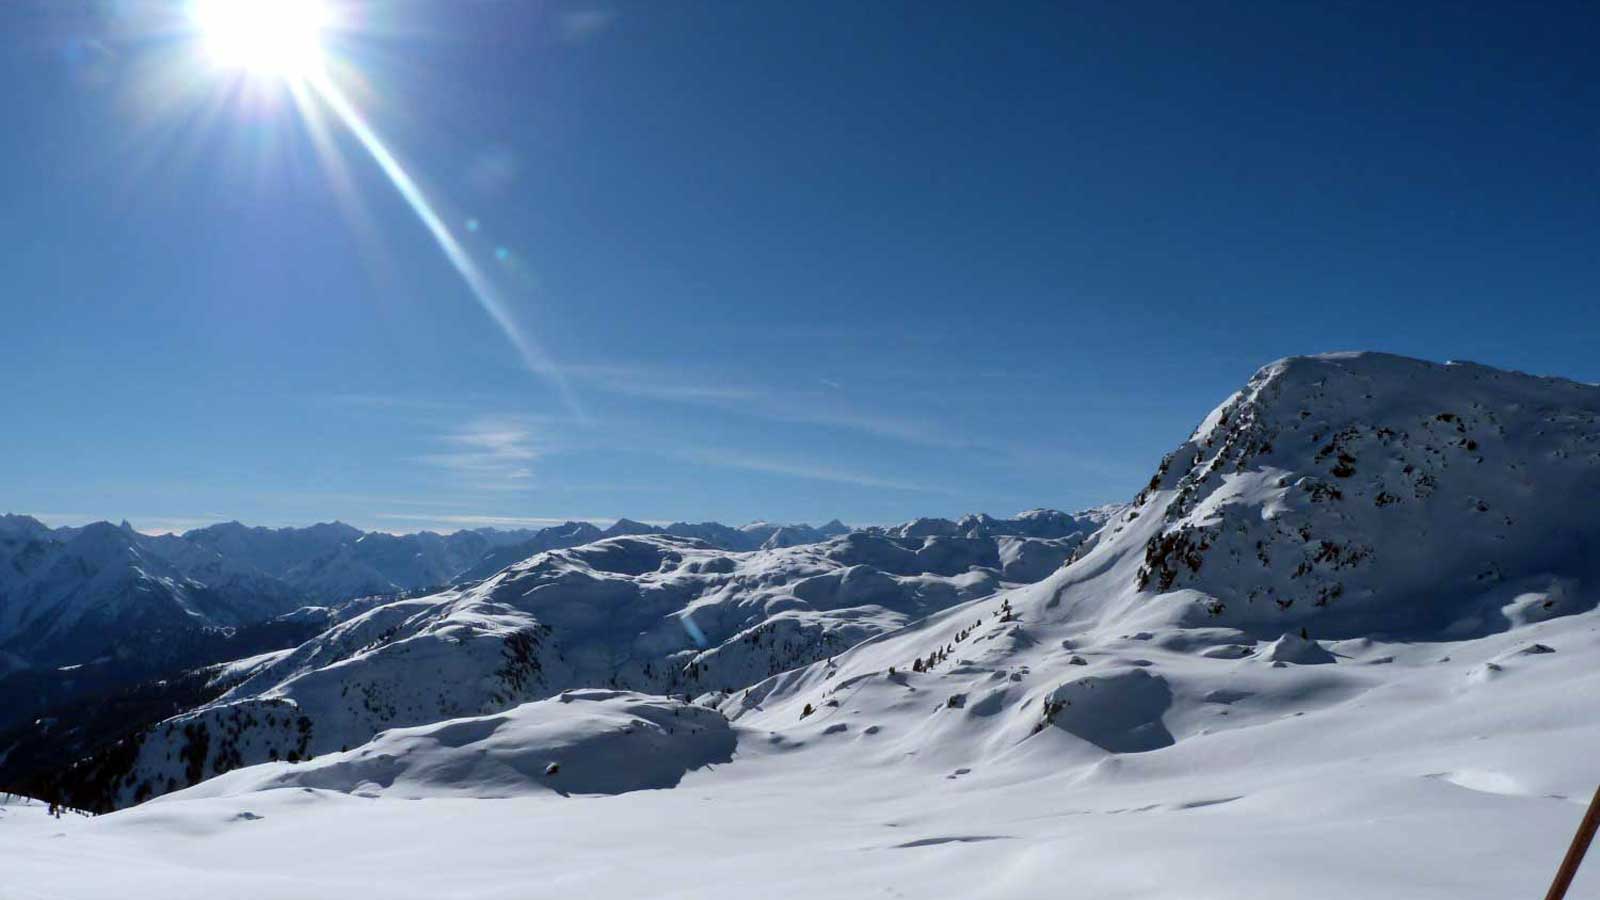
940,654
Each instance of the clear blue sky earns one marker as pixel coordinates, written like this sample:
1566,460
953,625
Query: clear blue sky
791,260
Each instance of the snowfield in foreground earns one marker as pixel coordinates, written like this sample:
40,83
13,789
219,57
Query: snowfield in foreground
1342,645
1416,778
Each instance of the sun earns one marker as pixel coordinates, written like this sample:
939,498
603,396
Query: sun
280,38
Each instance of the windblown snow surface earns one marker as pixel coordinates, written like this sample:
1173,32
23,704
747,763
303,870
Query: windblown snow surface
1147,722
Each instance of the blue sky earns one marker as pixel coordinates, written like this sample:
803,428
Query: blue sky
788,261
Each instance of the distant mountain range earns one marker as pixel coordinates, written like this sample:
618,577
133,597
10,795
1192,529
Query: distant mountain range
754,536
73,595
639,609
104,630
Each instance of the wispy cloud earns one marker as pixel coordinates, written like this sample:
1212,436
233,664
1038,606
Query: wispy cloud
436,412
141,524
773,466
489,454
472,520
828,407
821,408
891,427
173,524
660,384
582,25
390,402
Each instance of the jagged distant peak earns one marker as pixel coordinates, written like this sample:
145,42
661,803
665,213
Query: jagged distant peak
334,528
25,526
104,533
1037,523
629,526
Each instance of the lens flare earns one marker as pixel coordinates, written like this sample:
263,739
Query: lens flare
483,290
282,40
693,630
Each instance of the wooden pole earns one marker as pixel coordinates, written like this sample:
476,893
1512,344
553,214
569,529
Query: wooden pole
1580,845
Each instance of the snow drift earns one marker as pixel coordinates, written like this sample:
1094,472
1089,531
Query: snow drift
582,742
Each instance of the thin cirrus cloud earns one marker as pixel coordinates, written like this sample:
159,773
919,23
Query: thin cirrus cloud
793,407
498,452
825,409
155,525
489,454
818,408
580,26
792,469
491,521
660,384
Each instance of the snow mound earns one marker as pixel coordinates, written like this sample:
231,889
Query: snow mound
1118,710
1292,648
582,742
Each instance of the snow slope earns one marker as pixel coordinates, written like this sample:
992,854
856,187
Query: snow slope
1276,516
582,742
1341,646
1366,493
647,612
1410,779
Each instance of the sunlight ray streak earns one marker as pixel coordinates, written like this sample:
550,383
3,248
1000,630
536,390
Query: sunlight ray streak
337,169
483,290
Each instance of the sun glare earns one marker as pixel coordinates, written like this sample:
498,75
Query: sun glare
282,38
281,42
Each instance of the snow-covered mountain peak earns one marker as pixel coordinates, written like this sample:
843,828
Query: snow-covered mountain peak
1336,509
1369,492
